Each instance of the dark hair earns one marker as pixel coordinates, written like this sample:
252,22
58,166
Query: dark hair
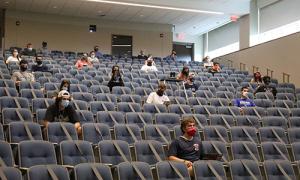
185,122
266,78
65,82
244,87
216,63
258,79
23,62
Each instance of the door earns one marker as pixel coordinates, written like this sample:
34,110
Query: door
184,51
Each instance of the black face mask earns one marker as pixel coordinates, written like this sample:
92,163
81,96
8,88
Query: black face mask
160,92
96,49
23,68
149,64
39,62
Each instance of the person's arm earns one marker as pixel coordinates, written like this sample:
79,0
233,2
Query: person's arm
172,154
150,98
236,103
49,117
32,77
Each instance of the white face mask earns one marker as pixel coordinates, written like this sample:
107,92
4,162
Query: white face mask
65,103
30,49
92,56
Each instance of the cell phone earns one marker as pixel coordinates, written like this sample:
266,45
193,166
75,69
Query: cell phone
212,156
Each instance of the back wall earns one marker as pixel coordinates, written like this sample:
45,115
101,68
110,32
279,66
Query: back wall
71,33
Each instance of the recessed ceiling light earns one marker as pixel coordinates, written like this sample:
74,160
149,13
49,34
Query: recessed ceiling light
6,2
99,11
141,15
54,7
157,7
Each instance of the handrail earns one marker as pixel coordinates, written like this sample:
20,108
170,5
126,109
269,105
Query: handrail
286,77
255,69
270,72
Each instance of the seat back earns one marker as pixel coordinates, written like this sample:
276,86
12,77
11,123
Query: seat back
21,131
6,154
174,171
85,171
157,132
36,153
127,132
215,133
42,172
15,114
110,118
245,169
95,132
279,169
245,150
208,170
110,154
138,118
168,119
215,147
11,173
144,151
56,132
274,150
272,134
76,152
128,171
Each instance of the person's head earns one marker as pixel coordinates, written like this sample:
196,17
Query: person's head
257,77
115,70
15,53
39,60
92,54
44,44
84,59
65,85
185,70
192,77
188,126
23,65
244,92
29,46
63,99
173,52
216,66
141,52
161,89
96,48
267,80
149,62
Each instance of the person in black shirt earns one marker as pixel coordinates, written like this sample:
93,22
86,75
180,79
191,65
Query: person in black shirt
62,111
266,86
39,66
142,55
29,51
186,148
215,69
116,78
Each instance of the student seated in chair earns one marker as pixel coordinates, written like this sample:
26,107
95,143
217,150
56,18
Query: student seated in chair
244,101
158,97
62,111
149,65
186,148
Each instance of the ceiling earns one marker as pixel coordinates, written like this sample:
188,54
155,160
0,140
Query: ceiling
190,23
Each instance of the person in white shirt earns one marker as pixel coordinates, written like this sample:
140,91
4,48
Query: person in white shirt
14,57
92,58
149,65
158,97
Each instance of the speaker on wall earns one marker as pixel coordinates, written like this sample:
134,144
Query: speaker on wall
92,28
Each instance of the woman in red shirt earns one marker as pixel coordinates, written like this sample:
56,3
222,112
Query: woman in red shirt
83,62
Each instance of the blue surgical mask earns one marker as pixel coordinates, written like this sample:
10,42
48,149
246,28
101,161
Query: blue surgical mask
65,103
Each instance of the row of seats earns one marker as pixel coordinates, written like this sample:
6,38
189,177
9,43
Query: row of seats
131,131
239,169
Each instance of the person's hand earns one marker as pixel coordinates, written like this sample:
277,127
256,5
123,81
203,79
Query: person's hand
188,163
242,110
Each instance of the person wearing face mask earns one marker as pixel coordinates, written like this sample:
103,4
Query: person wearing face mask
149,66
116,78
266,86
244,101
98,54
215,68
62,111
186,148
83,62
256,78
14,57
23,74
92,58
29,51
158,97
39,66
64,85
